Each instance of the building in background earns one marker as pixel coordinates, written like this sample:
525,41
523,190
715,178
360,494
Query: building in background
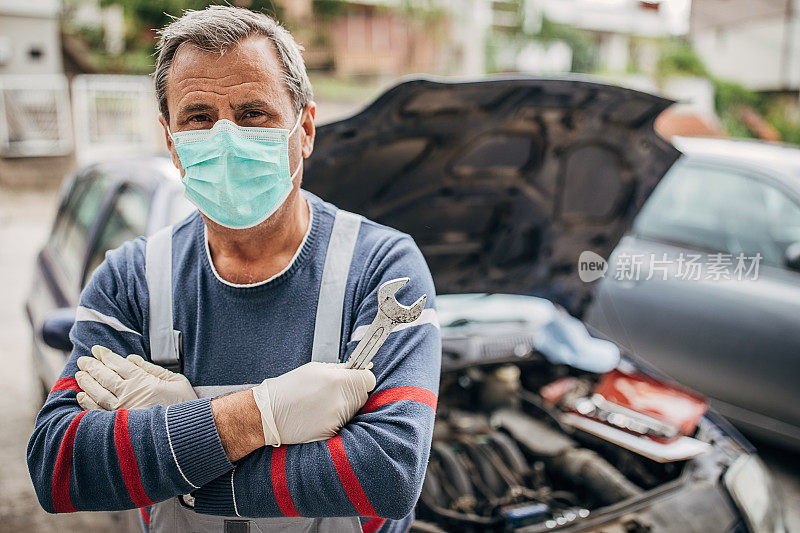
626,32
51,120
35,121
29,37
379,39
756,44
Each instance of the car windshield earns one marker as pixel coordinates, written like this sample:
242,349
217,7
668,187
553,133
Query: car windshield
721,209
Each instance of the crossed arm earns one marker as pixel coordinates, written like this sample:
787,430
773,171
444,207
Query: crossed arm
105,460
309,403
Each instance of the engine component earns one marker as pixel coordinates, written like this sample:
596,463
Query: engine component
667,402
621,417
583,467
457,478
500,388
510,452
525,515
586,468
534,435
504,457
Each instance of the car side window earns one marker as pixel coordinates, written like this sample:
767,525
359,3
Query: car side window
721,210
69,239
785,217
127,219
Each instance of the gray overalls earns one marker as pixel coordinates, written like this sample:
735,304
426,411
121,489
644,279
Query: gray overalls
174,515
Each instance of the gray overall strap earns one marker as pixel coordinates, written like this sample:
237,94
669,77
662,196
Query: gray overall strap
328,326
164,340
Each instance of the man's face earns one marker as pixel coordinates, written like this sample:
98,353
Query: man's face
244,85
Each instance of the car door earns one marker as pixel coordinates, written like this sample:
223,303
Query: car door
60,266
124,217
733,337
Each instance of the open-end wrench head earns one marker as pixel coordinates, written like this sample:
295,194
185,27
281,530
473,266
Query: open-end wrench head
393,309
389,288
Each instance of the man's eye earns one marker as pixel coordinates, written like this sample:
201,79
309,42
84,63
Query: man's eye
199,118
252,114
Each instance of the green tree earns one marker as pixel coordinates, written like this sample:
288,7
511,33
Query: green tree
147,15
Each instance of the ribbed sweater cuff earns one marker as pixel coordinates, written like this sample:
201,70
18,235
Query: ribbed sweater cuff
216,497
195,442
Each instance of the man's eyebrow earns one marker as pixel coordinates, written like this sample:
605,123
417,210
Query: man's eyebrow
262,105
194,108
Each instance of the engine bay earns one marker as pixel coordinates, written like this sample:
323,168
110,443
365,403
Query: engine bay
507,453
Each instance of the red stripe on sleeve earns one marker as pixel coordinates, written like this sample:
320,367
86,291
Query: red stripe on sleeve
145,515
348,478
127,460
279,485
373,525
414,394
61,499
66,384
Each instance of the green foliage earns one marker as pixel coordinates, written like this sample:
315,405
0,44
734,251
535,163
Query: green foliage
349,90
142,19
139,61
678,58
93,37
146,15
789,129
328,9
584,57
426,11
730,95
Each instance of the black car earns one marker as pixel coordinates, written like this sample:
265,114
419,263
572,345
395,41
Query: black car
503,183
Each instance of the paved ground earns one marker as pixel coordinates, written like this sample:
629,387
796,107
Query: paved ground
25,219
24,222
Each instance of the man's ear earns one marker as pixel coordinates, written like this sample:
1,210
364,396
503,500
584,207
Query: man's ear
170,144
309,129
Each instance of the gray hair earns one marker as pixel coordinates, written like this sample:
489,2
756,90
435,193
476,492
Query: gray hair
216,29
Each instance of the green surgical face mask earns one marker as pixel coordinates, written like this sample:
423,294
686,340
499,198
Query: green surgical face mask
236,176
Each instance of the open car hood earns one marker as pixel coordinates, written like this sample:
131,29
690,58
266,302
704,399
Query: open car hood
501,182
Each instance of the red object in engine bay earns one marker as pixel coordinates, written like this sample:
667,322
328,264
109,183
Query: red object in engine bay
672,404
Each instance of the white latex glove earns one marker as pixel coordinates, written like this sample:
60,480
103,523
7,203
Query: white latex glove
112,382
312,402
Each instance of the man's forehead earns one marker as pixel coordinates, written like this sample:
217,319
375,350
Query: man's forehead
252,64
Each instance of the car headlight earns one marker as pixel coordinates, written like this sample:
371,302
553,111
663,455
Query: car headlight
754,492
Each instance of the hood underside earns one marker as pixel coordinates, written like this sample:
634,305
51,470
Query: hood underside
501,182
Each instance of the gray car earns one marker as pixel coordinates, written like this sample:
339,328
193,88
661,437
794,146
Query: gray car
730,328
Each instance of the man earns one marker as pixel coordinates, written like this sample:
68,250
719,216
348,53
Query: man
256,294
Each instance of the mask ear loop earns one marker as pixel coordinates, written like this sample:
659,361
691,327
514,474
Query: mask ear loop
291,132
296,124
174,146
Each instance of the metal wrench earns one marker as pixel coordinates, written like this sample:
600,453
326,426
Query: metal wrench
390,313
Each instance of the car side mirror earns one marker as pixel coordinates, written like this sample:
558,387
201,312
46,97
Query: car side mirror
791,257
56,326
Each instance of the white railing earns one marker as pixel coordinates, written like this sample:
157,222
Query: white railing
34,116
106,116
114,116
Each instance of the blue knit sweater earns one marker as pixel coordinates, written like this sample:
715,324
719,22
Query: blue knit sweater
233,335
